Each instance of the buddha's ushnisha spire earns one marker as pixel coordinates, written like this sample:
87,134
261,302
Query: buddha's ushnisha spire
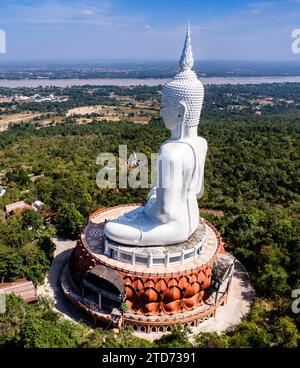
186,60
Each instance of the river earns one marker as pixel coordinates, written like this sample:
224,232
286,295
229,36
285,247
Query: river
135,82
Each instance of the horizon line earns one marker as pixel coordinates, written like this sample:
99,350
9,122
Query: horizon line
118,60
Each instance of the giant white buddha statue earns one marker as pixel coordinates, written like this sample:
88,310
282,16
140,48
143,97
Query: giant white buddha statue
171,214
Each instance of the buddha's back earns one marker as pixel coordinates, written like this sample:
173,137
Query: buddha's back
180,178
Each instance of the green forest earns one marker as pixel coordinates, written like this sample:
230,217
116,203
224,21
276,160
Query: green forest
252,175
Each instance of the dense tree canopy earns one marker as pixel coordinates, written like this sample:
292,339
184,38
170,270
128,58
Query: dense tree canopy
252,175
22,247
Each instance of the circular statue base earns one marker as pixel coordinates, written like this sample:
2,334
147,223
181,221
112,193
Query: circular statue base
162,285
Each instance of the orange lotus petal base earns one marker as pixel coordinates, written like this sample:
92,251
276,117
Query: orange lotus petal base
153,293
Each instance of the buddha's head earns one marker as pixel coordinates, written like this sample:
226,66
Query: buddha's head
182,97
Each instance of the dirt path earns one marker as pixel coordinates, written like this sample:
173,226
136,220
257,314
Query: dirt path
15,119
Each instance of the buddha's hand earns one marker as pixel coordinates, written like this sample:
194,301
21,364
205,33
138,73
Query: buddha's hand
151,194
150,207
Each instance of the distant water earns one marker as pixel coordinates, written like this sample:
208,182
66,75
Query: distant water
122,82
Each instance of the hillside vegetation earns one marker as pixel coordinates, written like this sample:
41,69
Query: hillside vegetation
252,174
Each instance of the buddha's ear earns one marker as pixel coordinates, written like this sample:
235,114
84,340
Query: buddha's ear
181,108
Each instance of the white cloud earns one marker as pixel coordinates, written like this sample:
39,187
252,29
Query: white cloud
87,12
267,5
90,12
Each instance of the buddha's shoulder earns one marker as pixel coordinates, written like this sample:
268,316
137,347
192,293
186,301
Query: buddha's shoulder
175,149
171,146
183,145
200,141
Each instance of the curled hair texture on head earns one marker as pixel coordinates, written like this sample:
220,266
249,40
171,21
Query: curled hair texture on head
185,86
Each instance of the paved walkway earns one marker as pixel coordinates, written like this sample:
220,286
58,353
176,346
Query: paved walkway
51,287
238,305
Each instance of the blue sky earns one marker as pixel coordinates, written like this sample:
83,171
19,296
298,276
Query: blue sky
148,29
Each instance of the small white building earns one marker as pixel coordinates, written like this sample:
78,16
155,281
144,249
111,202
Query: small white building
37,204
